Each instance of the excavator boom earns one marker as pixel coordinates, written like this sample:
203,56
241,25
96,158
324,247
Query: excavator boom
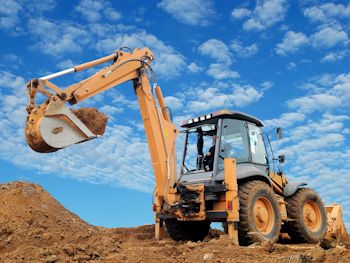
52,126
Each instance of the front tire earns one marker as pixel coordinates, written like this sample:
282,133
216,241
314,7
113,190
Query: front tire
187,230
309,217
259,213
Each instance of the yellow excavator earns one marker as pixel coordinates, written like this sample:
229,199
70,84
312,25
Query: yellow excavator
236,182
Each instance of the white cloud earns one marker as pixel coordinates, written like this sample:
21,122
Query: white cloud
38,6
168,62
291,43
285,120
12,13
266,14
335,56
328,37
119,99
291,66
95,10
194,68
191,12
64,37
208,99
219,51
314,102
325,12
240,13
11,61
342,88
244,51
9,14
64,64
216,49
173,103
221,71
334,93
112,14
267,85
8,80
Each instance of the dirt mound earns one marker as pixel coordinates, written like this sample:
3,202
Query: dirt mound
96,121
34,227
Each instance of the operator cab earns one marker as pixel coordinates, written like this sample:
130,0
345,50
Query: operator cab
224,134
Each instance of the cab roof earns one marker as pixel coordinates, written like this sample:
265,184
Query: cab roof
212,118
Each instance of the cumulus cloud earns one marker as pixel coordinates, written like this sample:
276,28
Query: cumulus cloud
95,10
325,37
173,102
265,14
328,37
8,80
12,13
314,102
209,99
244,51
336,95
335,56
221,71
326,12
291,43
9,11
168,62
219,51
194,67
240,13
190,12
216,49
267,85
65,37
285,120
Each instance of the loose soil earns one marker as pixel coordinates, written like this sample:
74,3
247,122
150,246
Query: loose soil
93,119
34,227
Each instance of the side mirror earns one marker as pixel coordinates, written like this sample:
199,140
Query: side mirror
279,133
281,158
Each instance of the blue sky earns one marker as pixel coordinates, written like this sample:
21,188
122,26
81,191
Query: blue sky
286,62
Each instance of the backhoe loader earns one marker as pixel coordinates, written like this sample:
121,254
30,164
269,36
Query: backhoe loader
236,182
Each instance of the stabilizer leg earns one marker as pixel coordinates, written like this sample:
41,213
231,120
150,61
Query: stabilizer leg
232,201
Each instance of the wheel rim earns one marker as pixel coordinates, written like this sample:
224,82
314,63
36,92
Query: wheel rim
264,217
312,216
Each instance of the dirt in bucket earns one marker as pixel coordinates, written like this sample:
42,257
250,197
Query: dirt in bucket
96,121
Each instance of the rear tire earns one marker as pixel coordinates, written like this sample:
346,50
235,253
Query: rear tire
187,230
259,214
309,217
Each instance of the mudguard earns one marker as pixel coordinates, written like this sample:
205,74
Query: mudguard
291,188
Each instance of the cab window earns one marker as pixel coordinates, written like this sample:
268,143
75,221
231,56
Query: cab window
257,147
233,143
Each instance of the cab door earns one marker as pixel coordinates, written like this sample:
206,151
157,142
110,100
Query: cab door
257,146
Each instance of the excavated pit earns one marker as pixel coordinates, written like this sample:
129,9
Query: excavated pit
34,227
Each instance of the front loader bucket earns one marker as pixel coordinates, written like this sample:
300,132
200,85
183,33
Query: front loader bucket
336,229
51,126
